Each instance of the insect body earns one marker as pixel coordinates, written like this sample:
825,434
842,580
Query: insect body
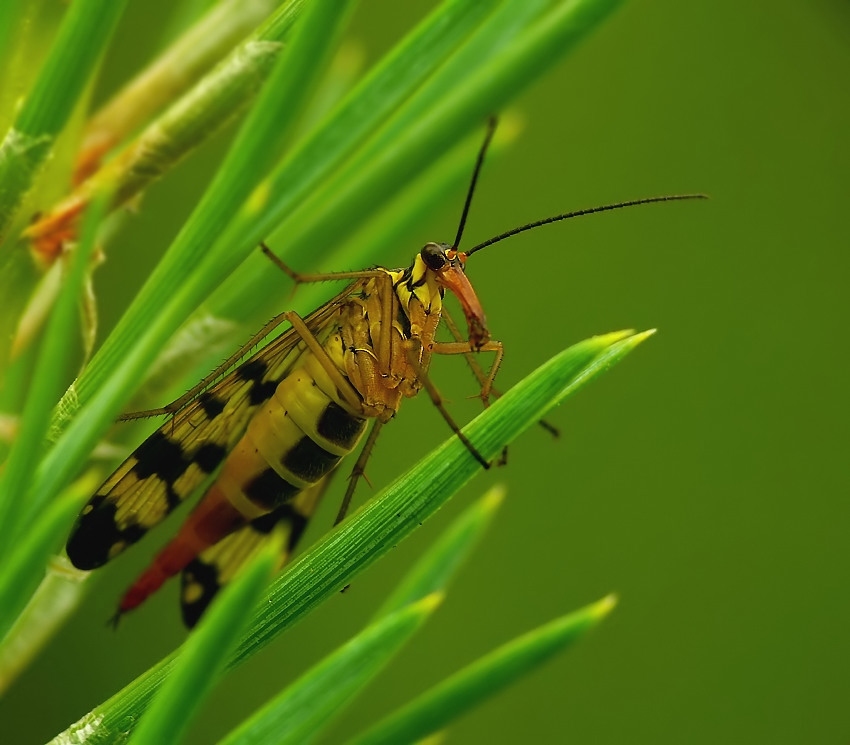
277,426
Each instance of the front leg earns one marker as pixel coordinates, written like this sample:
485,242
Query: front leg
413,348
462,347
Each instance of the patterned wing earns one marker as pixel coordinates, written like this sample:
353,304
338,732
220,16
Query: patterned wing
177,458
217,566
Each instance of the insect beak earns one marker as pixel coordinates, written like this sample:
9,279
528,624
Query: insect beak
453,278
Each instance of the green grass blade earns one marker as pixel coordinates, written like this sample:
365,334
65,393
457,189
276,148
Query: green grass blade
175,70
23,568
299,713
190,120
361,113
259,139
466,689
381,239
460,110
72,60
382,522
11,13
45,388
205,653
452,104
310,705
442,560
224,321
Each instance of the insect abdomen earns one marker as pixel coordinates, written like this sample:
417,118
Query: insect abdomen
215,567
297,437
293,441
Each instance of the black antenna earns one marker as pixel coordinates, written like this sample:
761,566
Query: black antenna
491,128
579,213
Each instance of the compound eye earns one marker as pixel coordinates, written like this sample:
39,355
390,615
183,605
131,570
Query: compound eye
434,256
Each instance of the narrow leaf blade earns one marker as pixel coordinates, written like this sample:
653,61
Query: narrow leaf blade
444,703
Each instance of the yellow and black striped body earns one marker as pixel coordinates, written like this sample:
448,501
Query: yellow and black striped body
276,427
213,568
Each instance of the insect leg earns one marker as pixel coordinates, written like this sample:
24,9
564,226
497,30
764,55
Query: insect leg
358,471
471,359
462,347
300,278
201,386
480,376
340,381
298,324
412,348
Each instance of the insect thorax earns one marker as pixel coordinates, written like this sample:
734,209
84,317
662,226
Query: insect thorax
387,327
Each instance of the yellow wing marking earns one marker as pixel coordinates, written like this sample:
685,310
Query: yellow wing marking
177,458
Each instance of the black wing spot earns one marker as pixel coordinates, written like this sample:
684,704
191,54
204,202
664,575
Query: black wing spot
339,427
96,533
161,457
309,461
266,523
270,490
209,456
206,576
261,391
253,369
210,404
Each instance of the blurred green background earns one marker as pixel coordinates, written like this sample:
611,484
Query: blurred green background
707,475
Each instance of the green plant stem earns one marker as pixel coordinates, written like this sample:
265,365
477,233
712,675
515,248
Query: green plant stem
176,69
215,100
305,708
259,140
440,706
381,523
44,391
72,60
205,653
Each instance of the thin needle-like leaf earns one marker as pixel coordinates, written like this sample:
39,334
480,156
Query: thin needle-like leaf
382,522
304,709
440,563
310,705
82,38
464,690
274,115
204,655
45,388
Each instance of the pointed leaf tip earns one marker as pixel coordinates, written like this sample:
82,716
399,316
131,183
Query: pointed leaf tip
493,497
642,336
611,338
600,609
430,603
